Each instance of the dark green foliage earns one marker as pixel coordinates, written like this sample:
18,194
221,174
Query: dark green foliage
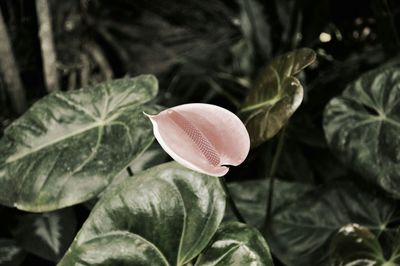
326,72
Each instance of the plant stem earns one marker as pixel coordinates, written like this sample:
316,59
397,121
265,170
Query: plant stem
129,170
231,201
272,174
10,72
47,45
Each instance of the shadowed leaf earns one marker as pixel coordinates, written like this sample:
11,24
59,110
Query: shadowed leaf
47,235
363,127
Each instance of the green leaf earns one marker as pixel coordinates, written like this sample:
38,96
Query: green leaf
10,253
395,257
164,216
70,145
251,198
47,235
153,156
363,127
236,244
300,232
275,96
356,245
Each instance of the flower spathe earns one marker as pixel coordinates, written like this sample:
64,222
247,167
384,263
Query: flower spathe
203,137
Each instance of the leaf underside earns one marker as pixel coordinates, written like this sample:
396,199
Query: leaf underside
276,95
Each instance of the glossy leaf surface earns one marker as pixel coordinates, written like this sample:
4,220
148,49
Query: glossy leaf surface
363,127
276,95
236,244
163,216
69,146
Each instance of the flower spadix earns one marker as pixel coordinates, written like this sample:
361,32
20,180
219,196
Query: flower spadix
203,137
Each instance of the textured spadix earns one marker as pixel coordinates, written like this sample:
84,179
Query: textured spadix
203,137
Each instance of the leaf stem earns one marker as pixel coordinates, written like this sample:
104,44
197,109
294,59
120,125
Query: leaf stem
272,174
10,72
129,170
231,201
47,45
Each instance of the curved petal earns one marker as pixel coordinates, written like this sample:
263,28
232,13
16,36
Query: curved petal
202,137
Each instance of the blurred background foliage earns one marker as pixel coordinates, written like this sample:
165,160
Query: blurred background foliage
208,51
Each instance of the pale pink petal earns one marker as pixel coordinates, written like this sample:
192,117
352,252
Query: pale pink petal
202,137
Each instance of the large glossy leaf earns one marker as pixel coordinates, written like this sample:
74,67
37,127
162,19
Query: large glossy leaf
300,232
275,96
363,126
11,254
163,216
69,146
356,245
47,235
251,198
236,244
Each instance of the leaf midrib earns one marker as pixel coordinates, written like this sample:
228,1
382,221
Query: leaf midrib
16,157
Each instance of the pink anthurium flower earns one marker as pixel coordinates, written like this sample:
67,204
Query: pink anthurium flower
203,137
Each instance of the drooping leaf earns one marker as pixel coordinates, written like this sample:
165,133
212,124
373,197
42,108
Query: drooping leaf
363,126
69,146
10,253
251,198
164,216
47,235
275,96
300,232
203,137
356,245
236,244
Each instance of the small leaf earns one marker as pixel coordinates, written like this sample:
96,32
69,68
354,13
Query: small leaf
203,137
164,216
276,96
46,235
305,226
363,127
10,253
70,145
236,244
356,245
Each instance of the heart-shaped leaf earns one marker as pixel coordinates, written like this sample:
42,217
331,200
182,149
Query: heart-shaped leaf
300,232
69,146
236,244
47,235
203,137
10,253
356,245
276,95
363,126
163,216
